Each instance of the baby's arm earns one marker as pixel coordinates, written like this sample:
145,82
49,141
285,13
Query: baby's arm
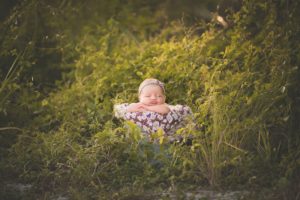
162,109
136,107
140,107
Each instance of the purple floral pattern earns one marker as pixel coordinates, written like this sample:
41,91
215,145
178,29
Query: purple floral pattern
150,121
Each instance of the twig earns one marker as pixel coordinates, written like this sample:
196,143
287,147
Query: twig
10,128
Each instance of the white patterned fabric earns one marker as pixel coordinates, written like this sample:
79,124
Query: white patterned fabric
150,121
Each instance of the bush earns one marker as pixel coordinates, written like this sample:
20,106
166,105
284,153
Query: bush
240,82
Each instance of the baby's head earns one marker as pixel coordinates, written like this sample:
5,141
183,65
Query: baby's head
152,92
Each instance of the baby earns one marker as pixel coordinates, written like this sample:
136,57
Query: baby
151,98
151,113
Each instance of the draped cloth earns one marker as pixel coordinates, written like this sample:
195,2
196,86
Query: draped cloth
150,122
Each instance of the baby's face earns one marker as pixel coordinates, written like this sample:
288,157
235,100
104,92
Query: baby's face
152,95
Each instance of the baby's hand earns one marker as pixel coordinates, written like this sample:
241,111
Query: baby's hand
136,107
162,108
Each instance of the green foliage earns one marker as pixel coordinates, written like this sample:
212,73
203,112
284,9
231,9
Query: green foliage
240,82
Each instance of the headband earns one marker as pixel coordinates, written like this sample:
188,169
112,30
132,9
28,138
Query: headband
151,82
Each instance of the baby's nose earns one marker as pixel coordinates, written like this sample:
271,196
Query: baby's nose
153,97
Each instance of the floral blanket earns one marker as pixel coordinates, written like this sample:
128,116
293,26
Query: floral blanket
150,121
